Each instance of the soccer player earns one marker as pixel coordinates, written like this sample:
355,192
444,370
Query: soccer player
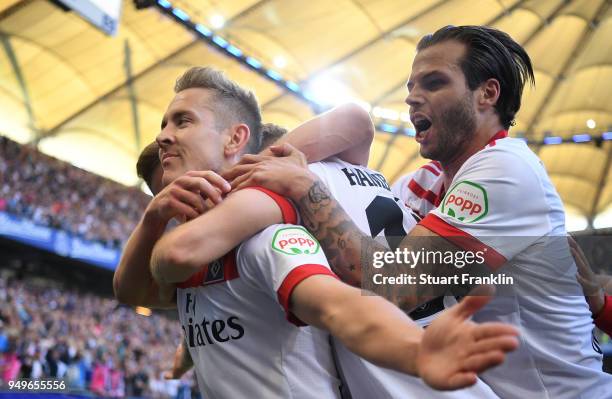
148,167
191,132
464,91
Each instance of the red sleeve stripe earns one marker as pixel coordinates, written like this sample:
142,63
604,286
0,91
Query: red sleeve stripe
463,240
420,192
603,321
296,276
286,207
431,169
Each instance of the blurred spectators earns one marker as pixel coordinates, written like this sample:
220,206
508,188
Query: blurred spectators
89,342
57,194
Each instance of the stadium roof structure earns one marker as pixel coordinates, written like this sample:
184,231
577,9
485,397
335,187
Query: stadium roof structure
96,100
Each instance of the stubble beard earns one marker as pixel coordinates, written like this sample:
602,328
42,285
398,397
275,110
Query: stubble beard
456,127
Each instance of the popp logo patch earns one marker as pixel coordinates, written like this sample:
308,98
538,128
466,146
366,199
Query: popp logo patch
294,241
466,201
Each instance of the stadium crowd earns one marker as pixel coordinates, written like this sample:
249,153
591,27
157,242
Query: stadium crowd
59,195
90,342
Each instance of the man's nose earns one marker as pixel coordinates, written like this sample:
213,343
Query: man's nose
413,99
165,138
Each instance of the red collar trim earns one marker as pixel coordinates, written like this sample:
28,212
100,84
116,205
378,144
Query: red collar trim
502,134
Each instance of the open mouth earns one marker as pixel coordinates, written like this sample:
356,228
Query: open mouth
421,126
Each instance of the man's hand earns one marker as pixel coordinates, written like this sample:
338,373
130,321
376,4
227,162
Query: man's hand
187,197
286,173
454,350
182,363
588,280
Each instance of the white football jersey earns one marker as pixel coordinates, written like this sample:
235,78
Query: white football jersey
244,341
367,198
502,201
421,190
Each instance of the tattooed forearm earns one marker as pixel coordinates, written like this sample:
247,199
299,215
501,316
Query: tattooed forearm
351,253
335,230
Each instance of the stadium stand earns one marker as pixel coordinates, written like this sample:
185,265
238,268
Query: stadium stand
59,195
90,342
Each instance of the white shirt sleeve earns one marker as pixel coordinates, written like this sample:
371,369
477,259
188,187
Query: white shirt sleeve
277,259
495,203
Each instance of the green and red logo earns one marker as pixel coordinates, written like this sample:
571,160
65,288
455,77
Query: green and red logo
295,241
466,202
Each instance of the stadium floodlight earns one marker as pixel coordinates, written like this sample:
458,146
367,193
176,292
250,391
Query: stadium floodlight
203,30
553,140
234,50
581,138
327,91
219,41
255,63
410,132
293,86
386,127
180,14
217,21
280,62
591,124
274,75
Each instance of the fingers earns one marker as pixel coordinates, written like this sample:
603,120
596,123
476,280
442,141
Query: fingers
502,343
213,178
481,362
283,150
176,196
181,208
572,243
253,158
212,186
461,380
243,181
238,171
476,300
490,330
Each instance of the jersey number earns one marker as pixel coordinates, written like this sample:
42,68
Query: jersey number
385,214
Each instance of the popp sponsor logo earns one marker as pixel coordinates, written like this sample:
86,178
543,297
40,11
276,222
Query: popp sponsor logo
466,201
294,241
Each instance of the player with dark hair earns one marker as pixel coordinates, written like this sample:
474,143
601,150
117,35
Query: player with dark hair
464,91
271,133
148,167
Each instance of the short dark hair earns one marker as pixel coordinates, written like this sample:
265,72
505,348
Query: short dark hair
490,53
271,132
233,102
148,161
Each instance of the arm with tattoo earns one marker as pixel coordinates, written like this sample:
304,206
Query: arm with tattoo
350,252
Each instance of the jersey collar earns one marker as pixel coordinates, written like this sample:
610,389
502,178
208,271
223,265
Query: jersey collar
502,134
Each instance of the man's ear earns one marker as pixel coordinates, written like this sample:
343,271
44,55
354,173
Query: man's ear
238,137
489,93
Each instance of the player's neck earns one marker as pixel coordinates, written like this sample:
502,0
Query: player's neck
482,137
